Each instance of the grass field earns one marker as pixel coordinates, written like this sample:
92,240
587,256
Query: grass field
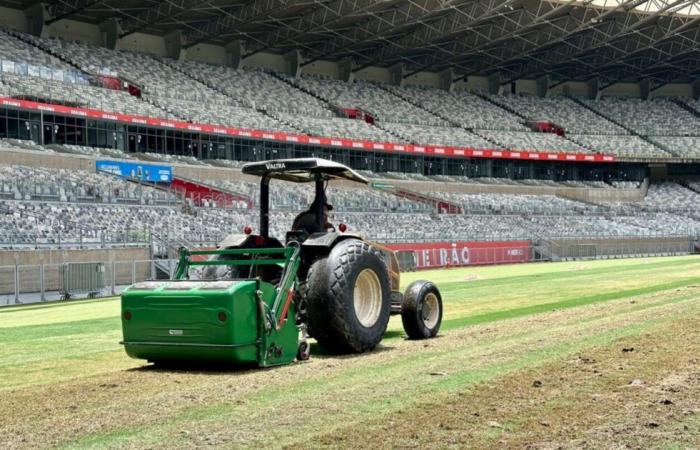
583,354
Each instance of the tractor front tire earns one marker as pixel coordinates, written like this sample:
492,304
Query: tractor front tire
348,298
421,310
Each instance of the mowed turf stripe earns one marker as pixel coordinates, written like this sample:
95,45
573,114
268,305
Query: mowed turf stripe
573,274
95,326
32,332
570,303
356,406
10,309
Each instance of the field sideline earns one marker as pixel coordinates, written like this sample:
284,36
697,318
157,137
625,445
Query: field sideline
585,354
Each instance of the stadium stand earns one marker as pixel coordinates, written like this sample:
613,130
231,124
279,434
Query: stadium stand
655,117
369,97
517,140
256,89
462,108
256,99
336,127
30,183
437,135
563,111
51,206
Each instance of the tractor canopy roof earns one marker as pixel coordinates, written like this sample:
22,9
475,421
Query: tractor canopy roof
302,170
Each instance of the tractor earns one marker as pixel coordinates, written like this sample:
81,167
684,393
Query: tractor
255,300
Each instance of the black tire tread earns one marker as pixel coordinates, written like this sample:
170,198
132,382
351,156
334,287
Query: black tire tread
413,324
329,321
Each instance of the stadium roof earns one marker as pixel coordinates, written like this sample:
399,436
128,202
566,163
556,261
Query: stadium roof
615,40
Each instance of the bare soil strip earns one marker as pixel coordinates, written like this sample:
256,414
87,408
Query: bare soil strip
641,392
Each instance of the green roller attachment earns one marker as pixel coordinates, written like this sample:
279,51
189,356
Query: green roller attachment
239,321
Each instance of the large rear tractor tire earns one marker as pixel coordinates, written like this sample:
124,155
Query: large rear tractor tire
421,310
348,298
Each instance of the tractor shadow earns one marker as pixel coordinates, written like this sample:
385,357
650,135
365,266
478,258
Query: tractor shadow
202,368
192,368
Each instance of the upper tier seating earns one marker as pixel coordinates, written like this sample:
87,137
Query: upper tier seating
16,50
655,117
383,105
220,114
680,145
155,77
248,98
336,127
438,135
256,89
627,145
463,108
516,140
84,96
562,111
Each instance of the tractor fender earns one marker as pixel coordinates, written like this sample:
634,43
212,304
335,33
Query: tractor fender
328,239
321,243
247,240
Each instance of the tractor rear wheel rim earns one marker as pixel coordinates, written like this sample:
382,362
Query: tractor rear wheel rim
430,311
367,298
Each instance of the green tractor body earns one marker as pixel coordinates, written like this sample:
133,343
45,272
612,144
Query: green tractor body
246,321
255,300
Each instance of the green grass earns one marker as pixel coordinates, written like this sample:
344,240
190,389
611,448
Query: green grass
37,342
65,349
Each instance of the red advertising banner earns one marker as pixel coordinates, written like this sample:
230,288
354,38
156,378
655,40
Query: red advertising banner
452,254
446,151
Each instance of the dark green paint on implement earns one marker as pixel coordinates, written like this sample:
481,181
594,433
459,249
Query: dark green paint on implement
242,321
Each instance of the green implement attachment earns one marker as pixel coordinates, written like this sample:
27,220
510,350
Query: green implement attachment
242,320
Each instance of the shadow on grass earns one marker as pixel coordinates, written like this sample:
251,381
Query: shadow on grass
222,368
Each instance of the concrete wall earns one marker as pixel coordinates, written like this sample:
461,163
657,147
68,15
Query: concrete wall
380,74
144,43
202,173
575,88
473,83
430,79
528,87
72,30
268,61
327,68
13,19
673,89
213,54
589,195
622,90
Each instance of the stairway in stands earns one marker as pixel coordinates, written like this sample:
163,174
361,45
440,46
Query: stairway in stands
686,106
440,205
201,193
296,86
621,125
417,105
44,48
496,145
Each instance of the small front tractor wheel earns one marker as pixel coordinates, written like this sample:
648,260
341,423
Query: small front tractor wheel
348,297
421,310
304,351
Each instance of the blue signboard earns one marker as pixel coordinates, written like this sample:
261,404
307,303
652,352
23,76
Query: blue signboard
142,172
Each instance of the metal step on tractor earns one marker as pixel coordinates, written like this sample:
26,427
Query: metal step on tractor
256,300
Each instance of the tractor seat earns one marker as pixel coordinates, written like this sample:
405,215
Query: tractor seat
296,235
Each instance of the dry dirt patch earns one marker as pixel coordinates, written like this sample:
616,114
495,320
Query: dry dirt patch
642,392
